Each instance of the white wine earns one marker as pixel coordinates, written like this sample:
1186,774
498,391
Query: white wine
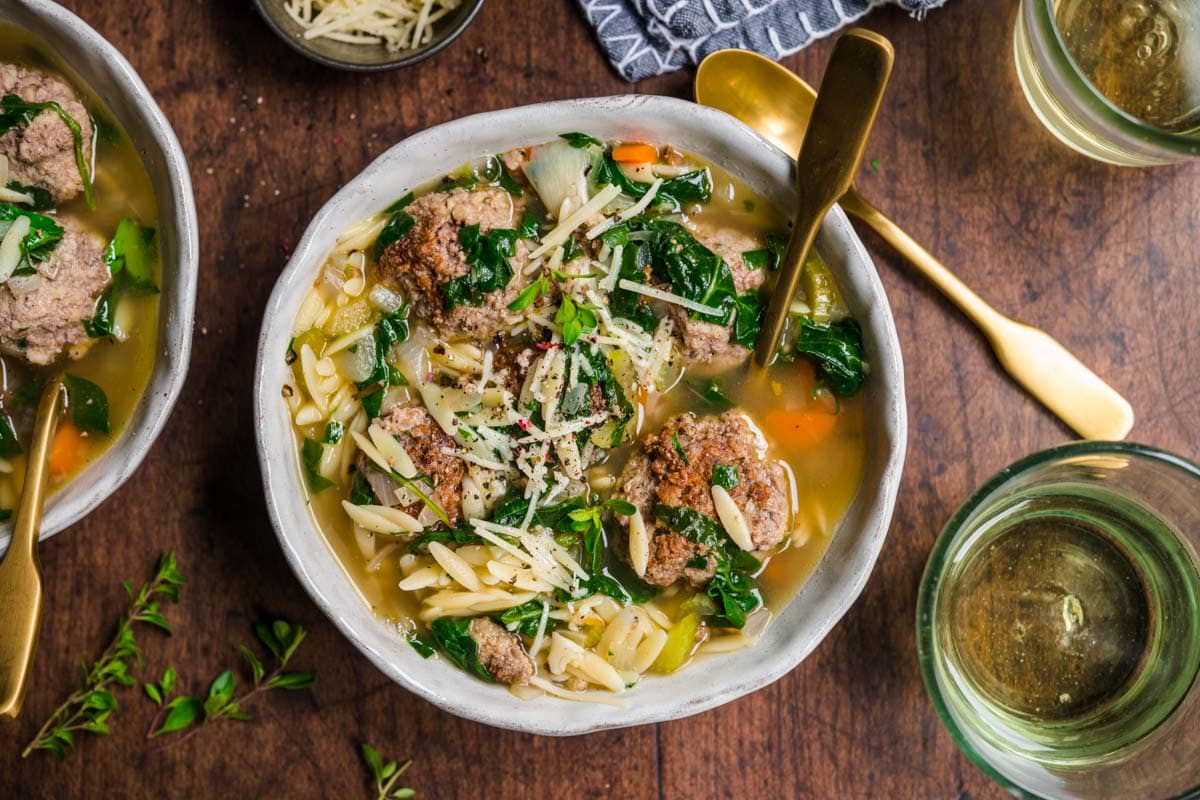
1142,55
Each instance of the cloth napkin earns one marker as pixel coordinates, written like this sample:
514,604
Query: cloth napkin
644,38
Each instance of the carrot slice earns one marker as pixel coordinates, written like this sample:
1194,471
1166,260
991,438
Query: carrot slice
799,428
67,450
635,154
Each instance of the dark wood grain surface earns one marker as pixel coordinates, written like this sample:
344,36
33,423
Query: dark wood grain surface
1105,259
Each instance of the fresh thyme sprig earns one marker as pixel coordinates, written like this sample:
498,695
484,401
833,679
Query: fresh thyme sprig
89,708
386,773
182,712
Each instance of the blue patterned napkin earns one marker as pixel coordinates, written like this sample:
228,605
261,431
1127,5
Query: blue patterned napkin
644,38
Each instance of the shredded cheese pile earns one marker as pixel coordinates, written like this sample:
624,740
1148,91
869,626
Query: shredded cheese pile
397,24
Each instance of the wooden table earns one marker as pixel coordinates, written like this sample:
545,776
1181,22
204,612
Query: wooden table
1103,258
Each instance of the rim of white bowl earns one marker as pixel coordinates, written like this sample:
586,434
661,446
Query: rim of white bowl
828,592
89,54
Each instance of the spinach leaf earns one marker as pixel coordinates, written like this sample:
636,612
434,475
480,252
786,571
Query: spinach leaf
10,446
42,199
333,432
401,204
768,256
572,250
498,174
690,269
837,349
597,373
524,619
732,586
399,226
580,140
87,403
631,305
132,253
487,255
710,392
361,493
725,476
459,536
372,403
421,645
529,227
453,636
748,318
389,331
15,112
44,235
694,186
5,514
131,256
310,459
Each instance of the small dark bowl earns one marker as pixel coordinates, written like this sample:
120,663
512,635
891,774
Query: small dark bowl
364,57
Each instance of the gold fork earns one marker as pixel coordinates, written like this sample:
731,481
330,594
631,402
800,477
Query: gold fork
20,577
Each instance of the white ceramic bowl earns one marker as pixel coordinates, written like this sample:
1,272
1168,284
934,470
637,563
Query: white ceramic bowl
98,64
842,571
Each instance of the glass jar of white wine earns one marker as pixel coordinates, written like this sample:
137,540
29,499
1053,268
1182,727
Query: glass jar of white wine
1058,624
1117,80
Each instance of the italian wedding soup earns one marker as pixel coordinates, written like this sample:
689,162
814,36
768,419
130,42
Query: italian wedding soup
79,264
528,424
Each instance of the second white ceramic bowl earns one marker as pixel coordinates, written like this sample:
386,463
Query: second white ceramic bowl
102,67
847,563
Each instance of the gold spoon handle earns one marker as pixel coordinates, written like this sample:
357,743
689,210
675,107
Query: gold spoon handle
20,578
851,91
1047,370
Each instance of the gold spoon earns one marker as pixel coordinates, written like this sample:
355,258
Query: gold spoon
20,578
840,124
778,104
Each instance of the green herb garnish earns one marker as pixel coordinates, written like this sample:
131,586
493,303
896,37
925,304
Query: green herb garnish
386,773
487,255
89,708
281,639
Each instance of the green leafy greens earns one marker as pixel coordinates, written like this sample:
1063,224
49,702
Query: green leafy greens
487,255
732,586
837,349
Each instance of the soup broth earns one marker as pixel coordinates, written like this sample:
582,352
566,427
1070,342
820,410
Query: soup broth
785,448
118,365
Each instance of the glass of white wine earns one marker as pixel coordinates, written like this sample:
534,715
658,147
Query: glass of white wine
1058,624
1117,80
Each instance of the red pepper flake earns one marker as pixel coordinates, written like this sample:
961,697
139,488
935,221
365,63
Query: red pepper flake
546,345
523,424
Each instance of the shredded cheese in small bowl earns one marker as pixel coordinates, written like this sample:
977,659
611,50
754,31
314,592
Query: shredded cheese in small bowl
368,34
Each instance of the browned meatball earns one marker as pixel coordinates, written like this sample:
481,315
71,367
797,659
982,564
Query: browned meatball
43,153
501,652
431,255
42,315
706,345
423,440
659,474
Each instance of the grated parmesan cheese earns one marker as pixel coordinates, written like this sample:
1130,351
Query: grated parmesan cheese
398,25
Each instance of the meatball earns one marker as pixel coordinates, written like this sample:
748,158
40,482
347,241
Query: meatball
501,652
431,256
423,439
43,152
675,468
706,345
42,315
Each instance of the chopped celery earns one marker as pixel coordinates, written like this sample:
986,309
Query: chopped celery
822,291
681,641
